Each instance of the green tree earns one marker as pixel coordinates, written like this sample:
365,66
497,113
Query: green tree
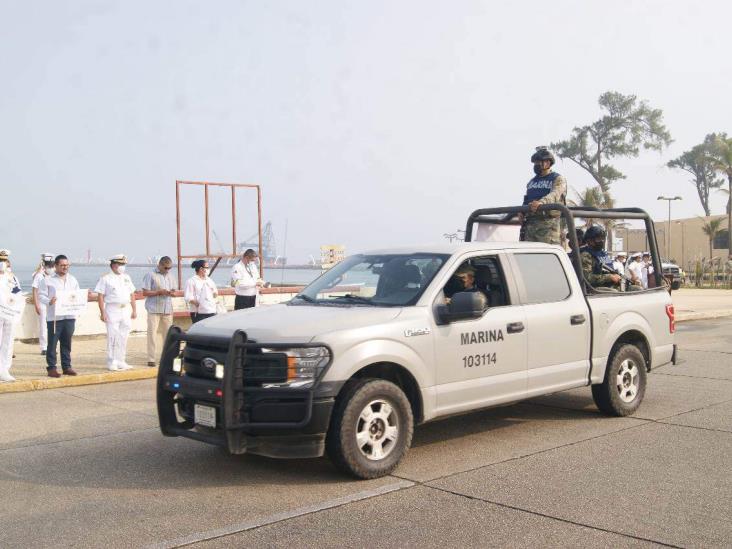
711,229
626,126
721,151
591,197
703,168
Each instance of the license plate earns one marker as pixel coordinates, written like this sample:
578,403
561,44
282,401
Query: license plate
204,415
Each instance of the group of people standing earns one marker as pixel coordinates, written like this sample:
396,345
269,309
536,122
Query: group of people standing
201,293
117,304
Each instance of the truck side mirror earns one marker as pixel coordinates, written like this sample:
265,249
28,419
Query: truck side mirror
463,306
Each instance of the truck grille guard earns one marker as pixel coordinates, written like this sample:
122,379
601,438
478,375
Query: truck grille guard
229,395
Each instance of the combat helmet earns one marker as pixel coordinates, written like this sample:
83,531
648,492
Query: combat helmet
595,231
542,153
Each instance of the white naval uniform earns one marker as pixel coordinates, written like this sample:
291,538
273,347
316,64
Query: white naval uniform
8,283
117,290
42,328
636,267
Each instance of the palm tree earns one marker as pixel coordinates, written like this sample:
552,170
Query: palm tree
594,197
721,148
711,228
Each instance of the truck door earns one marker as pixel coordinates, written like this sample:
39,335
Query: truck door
480,362
557,323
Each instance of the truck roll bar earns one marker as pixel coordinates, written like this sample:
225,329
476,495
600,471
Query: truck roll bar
569,213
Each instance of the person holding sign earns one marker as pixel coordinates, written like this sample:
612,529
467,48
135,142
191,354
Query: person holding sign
201,292
245,280
117,309
60,286
11,305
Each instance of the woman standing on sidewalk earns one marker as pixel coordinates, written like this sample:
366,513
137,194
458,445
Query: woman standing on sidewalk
200,292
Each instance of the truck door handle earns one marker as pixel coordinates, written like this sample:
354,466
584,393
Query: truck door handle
514,327
577,319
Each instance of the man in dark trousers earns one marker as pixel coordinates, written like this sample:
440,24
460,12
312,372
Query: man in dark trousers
245,280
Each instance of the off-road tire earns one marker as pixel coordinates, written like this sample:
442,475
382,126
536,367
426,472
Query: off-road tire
612,396
341,441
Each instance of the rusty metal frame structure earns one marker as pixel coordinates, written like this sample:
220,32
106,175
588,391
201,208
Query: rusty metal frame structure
207,254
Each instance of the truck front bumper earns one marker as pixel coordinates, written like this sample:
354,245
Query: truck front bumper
274,422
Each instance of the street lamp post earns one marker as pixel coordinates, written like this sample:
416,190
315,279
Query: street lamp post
683,256
669,199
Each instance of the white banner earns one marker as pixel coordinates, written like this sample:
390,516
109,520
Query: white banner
71,302
11,306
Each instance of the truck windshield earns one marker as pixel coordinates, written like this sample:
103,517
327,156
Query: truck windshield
385,280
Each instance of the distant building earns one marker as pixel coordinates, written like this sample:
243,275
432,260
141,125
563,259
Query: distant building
689,244
330,254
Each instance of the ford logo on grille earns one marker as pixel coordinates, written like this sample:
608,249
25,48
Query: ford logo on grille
209,363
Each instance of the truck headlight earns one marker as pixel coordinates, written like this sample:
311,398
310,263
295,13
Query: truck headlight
304,365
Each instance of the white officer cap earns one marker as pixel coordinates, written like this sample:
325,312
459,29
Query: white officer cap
4,254
637,254
621,254
119,258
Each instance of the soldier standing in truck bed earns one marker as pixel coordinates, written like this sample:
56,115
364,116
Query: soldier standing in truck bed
546,187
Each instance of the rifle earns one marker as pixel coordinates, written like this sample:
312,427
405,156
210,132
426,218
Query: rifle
610,270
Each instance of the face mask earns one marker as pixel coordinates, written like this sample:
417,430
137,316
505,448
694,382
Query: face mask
3,266
48,270
597,245
204,272
121,269
537,169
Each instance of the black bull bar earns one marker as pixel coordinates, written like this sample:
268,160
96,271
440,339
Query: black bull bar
232,399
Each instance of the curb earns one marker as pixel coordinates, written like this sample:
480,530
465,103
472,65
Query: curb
75,381
706,315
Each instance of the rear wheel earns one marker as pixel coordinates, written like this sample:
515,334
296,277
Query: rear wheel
624,386
370,429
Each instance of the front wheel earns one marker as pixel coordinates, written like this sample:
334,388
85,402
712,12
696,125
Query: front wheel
370,429
624,386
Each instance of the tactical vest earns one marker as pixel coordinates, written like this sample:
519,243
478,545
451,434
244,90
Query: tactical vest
540,186
601,258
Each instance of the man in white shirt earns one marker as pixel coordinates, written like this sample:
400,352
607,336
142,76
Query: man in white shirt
60,328
619,263
245,280
117,309
44,270
10,286
634,270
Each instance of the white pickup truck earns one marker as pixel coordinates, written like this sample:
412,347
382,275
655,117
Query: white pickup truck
389,339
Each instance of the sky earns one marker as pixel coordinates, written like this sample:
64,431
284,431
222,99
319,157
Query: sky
368,124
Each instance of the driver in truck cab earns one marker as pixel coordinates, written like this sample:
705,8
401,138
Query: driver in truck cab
463,281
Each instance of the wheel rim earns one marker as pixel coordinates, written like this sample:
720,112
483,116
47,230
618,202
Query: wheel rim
628,380
377,430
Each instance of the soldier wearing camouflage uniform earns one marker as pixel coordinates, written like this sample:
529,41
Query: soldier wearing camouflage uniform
594,256
547,187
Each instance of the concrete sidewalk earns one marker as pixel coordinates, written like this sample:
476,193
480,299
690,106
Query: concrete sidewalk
29,367
88,360
694,304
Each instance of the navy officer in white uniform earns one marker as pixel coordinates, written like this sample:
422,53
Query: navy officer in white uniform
117,309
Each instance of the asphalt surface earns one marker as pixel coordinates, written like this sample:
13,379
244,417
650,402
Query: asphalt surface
87,467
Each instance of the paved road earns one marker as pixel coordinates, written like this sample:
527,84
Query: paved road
87,467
